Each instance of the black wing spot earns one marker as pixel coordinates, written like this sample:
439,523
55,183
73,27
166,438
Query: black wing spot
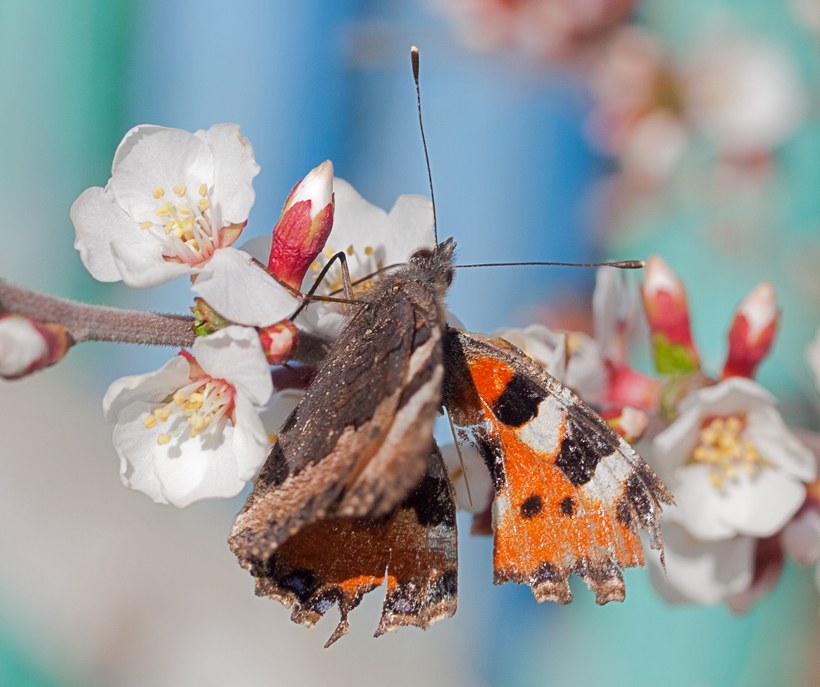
567,506
582,449
532,507
302,582
431,502
518,403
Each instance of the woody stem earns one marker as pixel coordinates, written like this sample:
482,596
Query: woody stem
87,322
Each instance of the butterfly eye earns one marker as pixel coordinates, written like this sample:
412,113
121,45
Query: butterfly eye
450,275
422,253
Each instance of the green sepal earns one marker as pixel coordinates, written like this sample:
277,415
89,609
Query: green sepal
207,320
673,358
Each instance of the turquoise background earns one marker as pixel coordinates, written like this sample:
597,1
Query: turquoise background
314,80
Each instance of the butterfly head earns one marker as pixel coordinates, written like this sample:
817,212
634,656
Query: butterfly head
436,265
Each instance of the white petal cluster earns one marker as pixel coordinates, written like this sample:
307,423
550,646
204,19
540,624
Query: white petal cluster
738,475
190,432
174,199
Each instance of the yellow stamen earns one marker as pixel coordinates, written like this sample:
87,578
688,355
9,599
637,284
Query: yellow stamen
368,250
272,437
725,451
179,398
204,205
180,190
184,210
316,265
162,210
203,190
159,192
329,252
146,225
150,421
163,439
350,249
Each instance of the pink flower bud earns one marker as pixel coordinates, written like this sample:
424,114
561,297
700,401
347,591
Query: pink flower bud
279,341
664,298
752,332
27,346
628,387
304,226
629,422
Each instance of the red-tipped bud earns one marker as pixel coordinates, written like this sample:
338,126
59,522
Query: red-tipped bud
304,226
27,346
629,422
752,332
628,387
279,341
664,299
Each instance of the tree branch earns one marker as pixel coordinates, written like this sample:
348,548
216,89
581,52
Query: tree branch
101,323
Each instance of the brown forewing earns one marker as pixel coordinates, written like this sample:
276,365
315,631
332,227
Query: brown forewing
359,440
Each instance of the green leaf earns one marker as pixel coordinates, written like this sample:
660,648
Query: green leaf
673,358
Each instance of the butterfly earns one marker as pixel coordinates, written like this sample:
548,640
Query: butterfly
355,495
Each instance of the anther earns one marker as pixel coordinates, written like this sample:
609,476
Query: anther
180,190
147,225
159,192
203,190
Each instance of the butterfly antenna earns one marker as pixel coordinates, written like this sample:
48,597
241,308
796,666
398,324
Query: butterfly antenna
414,59
621,264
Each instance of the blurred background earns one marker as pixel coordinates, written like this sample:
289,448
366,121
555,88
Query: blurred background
565,130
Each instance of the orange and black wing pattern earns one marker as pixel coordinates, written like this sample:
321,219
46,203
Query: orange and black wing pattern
571,494
337,561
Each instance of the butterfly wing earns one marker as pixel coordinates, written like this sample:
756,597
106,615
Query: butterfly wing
359,439
571,494
338,561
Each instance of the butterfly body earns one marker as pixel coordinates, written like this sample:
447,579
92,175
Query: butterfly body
355,492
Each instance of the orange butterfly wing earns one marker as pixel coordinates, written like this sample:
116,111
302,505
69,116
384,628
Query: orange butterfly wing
571,494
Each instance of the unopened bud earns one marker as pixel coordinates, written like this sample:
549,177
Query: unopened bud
752,333
27,346
664,298
279,341
304,226
206,319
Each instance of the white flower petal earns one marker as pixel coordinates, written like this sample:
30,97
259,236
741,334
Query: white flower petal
155,156
756,505
279,408
191,469
150,387
801,537
241,291
547,348
472,485
702,572
98,220
258,248
235,355
140,261
250,440
234,170
135,445
411,228
777,444
731,396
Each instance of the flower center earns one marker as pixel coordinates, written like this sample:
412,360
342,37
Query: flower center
725,451
199,405
360,263
184,224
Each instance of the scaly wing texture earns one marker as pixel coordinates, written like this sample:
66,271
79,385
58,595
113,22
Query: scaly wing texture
359,440
571,494
338,561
